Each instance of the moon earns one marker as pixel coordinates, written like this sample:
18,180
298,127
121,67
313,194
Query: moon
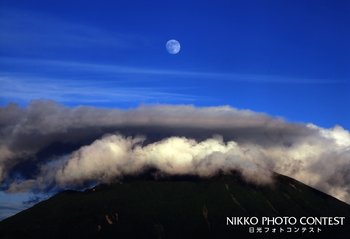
173,46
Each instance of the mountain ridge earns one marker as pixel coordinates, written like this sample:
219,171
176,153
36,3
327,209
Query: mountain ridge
172,207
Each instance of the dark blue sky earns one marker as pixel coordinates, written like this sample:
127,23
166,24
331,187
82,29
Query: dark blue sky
285,58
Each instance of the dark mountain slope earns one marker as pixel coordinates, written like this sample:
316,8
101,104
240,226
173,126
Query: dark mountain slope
173,207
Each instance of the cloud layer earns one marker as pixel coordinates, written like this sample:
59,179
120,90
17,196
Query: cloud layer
49,145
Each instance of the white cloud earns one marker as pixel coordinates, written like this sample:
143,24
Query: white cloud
177,140
114,156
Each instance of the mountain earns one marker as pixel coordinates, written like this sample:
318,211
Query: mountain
175,207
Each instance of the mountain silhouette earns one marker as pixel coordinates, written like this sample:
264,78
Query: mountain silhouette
175,207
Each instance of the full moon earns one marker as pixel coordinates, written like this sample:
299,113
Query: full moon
173,46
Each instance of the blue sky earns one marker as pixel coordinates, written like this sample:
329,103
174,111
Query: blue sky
285,58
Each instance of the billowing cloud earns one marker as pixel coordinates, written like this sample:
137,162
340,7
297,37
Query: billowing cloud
115,156
48,144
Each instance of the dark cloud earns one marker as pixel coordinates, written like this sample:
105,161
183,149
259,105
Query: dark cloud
47,143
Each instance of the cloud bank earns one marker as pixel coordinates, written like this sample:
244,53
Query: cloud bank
48,145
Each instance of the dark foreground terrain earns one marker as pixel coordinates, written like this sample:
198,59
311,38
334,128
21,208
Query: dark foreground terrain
180,207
